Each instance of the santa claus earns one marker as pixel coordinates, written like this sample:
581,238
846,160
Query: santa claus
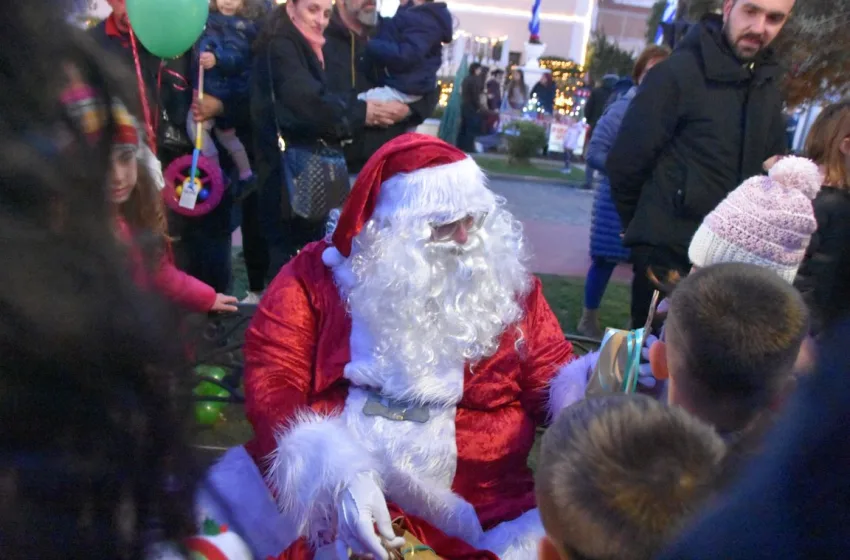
403,366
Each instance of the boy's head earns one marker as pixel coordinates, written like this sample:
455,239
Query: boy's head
733,333
618,475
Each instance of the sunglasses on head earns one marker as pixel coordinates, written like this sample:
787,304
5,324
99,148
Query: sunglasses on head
446,231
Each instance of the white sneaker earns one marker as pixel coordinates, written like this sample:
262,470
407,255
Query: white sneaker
253,298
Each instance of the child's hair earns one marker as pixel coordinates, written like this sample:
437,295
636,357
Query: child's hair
618,475
822,145
144,212
251,9
734,331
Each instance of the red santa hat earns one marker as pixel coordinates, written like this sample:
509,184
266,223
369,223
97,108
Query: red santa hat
412,176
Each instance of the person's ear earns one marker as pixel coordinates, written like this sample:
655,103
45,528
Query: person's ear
658,360
844,146
548,551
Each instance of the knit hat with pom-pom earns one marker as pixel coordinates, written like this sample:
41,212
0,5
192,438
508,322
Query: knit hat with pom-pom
767,221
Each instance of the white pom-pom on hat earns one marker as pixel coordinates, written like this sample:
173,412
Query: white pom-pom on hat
798,173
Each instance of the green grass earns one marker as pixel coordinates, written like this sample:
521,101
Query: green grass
504,167
566,297
564,294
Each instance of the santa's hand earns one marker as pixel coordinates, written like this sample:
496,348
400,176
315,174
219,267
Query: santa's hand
645,376
363,507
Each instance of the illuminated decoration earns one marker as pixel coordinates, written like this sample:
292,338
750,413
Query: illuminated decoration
570,93
446,87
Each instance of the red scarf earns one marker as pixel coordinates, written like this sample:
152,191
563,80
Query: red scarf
315,40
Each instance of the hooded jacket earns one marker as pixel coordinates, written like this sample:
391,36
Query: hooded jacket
408,49
701,123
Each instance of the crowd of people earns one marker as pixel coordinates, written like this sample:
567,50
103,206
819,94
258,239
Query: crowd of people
402,360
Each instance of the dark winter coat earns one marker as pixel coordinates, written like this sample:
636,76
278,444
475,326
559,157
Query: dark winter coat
407,51
605,225
166,85
545,96
306,109
595,106
230,39
346,73
699,125
824,275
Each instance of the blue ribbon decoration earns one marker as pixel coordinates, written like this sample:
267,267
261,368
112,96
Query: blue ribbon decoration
534,24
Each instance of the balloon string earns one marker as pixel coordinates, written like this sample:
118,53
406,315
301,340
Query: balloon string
142,93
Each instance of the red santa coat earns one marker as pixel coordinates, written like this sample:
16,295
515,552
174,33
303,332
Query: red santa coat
296,350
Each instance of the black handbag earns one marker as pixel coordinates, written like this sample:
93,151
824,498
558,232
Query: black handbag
316,177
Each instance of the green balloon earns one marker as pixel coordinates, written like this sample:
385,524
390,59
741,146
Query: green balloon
210,413
168,28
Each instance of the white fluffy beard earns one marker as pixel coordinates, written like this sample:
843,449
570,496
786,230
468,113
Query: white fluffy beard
427,304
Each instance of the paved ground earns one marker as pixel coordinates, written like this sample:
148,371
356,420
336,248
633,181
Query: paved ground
557,223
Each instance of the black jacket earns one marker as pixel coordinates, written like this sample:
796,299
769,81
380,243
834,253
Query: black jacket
407,51
699,125
824,275
305,108
346,72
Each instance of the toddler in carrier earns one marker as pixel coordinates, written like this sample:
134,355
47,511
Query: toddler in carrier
407,52
225,55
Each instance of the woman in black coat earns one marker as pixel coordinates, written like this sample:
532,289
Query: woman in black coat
824,275
288,61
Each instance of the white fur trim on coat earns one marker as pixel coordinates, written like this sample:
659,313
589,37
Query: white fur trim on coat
315,459
517,539
570,383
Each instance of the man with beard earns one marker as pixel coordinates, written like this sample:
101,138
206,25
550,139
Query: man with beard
399,370
701,123
352,23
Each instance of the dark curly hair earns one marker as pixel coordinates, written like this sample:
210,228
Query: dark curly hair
94,392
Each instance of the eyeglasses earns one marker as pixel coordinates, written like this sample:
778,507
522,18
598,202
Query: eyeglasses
444,232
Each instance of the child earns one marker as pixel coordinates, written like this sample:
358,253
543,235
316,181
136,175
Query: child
767,221
619,475
407,52
140,216
824,276
574,131
732,337
225,49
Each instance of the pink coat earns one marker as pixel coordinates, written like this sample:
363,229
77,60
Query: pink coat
182,289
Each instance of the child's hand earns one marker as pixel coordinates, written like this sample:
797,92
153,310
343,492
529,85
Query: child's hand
207,60
224,303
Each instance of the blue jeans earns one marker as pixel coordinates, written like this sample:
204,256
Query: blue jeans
597,281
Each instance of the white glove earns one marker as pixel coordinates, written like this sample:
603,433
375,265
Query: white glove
362,507
645,376
570,383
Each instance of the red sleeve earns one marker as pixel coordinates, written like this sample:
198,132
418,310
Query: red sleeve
183,289
547,351
279,349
